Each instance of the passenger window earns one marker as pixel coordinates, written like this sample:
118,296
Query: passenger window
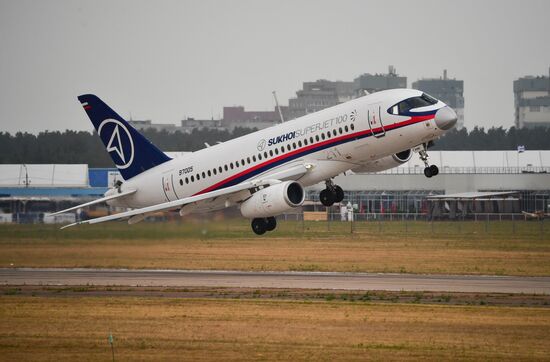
203,175
299,143
198,176
311,140
276,151
317,137
259,156
352,126
192,179
265,154
181,182
248,160
254,158
271,153
282,149
225,167
288,147
214,170
220,169
209,173
323,136
346,128
341,131
187,180
231,165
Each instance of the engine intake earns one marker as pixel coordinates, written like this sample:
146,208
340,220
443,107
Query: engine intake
274,200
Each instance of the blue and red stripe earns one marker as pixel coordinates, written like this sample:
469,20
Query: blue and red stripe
292,155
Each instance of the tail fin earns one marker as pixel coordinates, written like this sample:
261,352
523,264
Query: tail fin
130,151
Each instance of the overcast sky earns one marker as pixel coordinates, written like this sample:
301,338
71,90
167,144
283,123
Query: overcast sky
165,60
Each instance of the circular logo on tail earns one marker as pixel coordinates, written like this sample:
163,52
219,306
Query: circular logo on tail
120,144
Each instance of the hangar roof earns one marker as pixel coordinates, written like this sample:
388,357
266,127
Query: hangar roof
44,175
479,162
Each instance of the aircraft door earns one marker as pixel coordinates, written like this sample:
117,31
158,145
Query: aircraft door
374,115
168,187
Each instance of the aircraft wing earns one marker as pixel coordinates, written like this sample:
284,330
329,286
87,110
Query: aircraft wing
172,205
98,201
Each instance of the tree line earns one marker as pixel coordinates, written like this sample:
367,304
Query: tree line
84,147
479,139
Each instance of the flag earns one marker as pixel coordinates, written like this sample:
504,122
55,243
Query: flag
521,148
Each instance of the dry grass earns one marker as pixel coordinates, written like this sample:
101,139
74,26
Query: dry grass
232,247
38,328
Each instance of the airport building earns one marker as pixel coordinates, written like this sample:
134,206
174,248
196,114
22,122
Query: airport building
318,95
371,83
190,123
532,101
470,184
450,91
238,117
147,124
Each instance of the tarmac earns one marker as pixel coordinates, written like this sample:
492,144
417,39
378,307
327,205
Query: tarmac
290,280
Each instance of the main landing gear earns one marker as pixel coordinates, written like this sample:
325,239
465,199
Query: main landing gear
429,171
263,224
332,194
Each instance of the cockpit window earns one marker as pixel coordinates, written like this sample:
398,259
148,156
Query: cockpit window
429,98
415,102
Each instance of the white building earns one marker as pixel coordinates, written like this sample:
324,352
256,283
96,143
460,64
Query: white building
532,101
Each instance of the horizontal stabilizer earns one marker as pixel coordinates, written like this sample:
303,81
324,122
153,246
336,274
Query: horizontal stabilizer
98,201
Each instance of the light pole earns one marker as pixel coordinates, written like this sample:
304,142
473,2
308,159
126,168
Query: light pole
26,182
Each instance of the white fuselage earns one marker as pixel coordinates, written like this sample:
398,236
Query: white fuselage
334,140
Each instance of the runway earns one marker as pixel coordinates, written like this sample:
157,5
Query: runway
299,280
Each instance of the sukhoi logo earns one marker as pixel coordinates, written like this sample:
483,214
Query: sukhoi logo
261,145
281,138
312,129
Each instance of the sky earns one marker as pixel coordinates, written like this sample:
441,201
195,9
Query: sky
167,60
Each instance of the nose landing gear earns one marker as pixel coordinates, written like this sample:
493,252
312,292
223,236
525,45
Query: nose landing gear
332,194
261,225
429,171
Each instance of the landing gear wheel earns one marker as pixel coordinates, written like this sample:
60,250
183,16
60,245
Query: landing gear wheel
428,172
338,194
259,226
270,223
327,197
434,170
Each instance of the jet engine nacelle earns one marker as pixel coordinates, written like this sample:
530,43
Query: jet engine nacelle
274,200
385,163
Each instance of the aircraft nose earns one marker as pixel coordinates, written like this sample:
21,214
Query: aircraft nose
445,118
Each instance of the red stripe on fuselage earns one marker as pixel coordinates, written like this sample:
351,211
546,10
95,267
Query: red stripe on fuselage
412,120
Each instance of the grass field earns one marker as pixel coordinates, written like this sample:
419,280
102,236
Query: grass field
77,328
414,247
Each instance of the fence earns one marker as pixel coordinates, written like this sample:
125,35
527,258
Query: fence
407,223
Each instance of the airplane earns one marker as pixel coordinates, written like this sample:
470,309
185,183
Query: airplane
264,173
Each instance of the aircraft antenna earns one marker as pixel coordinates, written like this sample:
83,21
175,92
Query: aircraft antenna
278,107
